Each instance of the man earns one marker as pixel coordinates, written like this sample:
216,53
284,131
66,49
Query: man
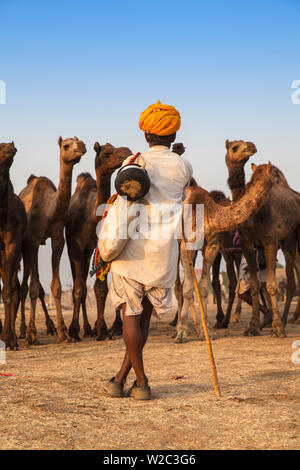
144,272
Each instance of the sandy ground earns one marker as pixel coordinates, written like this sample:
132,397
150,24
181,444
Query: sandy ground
54,399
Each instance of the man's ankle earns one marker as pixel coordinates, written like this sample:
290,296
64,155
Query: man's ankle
142,382
120,380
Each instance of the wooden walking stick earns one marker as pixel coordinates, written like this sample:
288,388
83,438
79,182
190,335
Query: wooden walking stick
204,326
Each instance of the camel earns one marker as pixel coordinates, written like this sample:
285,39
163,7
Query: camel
275,224
12,229
218,218
46,208
212,257
81,234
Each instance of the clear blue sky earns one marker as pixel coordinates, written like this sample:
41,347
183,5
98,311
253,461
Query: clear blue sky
88,68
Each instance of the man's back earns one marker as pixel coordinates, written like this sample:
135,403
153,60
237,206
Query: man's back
151,257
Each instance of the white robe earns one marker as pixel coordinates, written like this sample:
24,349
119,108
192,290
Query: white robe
150,257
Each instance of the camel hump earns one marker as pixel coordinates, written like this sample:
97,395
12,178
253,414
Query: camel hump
85,182
43,183
84,176
278,176
85,185
219,197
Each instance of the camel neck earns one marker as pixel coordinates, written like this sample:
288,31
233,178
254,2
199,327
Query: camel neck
4,186
4,178
63,193
236,181
103,189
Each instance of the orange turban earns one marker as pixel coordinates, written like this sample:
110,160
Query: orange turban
160,119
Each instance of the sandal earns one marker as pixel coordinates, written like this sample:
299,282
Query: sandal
114,389
140,392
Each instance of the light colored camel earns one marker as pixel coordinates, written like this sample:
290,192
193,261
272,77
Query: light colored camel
46,208
224,240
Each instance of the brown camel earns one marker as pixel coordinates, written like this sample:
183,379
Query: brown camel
81,234
218,218
275,224
12,229
46,208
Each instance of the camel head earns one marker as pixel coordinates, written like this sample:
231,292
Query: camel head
239,152
262,172
109,158
71,150
7,153
277,177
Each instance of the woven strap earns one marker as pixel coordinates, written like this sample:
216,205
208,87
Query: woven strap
100,267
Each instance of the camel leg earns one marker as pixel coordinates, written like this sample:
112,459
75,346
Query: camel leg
209,255
34,289
295,318
267,321
117,327
24,292
16,295
10,293
175,319
289,250
14,304
270,254
181,335
100,289
178,295
217,290
57,245
232,286
51,330
0,318
88,332
75,263
238,309
79,291
254,327
86,325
